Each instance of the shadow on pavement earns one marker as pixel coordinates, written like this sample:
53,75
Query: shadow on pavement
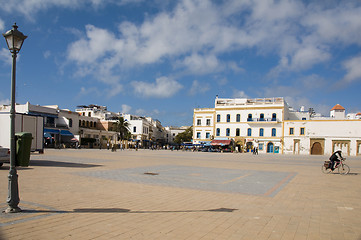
47,163
123,210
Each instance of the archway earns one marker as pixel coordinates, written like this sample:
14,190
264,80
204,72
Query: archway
270,147
316,149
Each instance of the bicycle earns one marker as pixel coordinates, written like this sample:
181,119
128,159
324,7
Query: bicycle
343,168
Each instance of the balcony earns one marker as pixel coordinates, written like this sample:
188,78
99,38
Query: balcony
263,120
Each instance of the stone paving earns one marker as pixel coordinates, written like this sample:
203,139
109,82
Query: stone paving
99,194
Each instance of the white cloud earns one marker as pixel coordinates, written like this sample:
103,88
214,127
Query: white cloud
195,34
198,87
5,56
353,68
126,108
163,87
2,25
29,8
198,64
5,102
239,94
47,54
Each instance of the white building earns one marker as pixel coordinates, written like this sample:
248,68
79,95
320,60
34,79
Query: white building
61,126
274,127
172,132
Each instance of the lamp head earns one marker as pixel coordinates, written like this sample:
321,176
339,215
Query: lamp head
14,39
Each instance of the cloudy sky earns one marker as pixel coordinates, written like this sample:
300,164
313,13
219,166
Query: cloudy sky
163,58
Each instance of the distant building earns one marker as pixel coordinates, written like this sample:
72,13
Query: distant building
64,127
273,127
172,132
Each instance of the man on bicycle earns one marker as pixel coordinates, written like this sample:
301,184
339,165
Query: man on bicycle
335,158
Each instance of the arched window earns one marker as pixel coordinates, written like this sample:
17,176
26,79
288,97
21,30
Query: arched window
273,132
274,116
237,132
218,132
228,117
261,132
218,117
228,132
249,132
261,117
249,117
238,117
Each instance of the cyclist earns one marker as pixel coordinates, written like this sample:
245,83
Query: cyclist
335,158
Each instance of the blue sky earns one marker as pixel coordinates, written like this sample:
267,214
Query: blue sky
164,58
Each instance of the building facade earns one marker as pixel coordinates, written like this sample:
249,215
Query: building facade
270,125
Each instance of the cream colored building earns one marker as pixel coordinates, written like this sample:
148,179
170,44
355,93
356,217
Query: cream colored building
273,127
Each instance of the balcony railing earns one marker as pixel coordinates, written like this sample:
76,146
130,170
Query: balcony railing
262,120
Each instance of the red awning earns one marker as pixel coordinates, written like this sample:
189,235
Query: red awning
220,142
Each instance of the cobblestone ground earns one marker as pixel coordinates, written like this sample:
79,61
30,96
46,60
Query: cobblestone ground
99,194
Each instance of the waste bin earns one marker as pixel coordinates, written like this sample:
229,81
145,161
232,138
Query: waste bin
23,148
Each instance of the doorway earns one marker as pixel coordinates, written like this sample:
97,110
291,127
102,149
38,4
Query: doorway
270,147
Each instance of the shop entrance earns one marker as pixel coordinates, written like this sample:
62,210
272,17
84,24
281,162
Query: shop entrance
270,147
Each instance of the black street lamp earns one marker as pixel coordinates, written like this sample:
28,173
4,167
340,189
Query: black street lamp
14,40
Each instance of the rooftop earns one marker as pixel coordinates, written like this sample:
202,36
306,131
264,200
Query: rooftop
338,107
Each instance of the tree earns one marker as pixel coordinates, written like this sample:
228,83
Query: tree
185,136
122,127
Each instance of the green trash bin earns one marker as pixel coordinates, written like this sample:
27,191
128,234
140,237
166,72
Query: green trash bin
23,148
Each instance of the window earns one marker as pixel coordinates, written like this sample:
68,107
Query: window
89,114
249,132
199,122
261,132
249,117
292,131
274,117
238,132
208,122
261,117
70,122
273,132
218,118
228,131
198,135
218,132
260,146
302,131
134,129
238,117
228,117
208,135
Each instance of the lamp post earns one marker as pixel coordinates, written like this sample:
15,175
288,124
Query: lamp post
14,40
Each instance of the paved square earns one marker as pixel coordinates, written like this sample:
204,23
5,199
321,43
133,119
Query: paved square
99,194
264,183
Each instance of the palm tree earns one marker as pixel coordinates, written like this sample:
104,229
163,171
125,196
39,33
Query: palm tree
122,127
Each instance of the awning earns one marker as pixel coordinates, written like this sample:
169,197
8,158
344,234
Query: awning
57,131
48,130
66,133
220,142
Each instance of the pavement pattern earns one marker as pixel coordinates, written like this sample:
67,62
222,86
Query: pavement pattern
99,194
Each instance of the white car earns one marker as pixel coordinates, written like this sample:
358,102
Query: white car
4,155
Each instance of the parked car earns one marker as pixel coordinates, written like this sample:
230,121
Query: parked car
4,155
